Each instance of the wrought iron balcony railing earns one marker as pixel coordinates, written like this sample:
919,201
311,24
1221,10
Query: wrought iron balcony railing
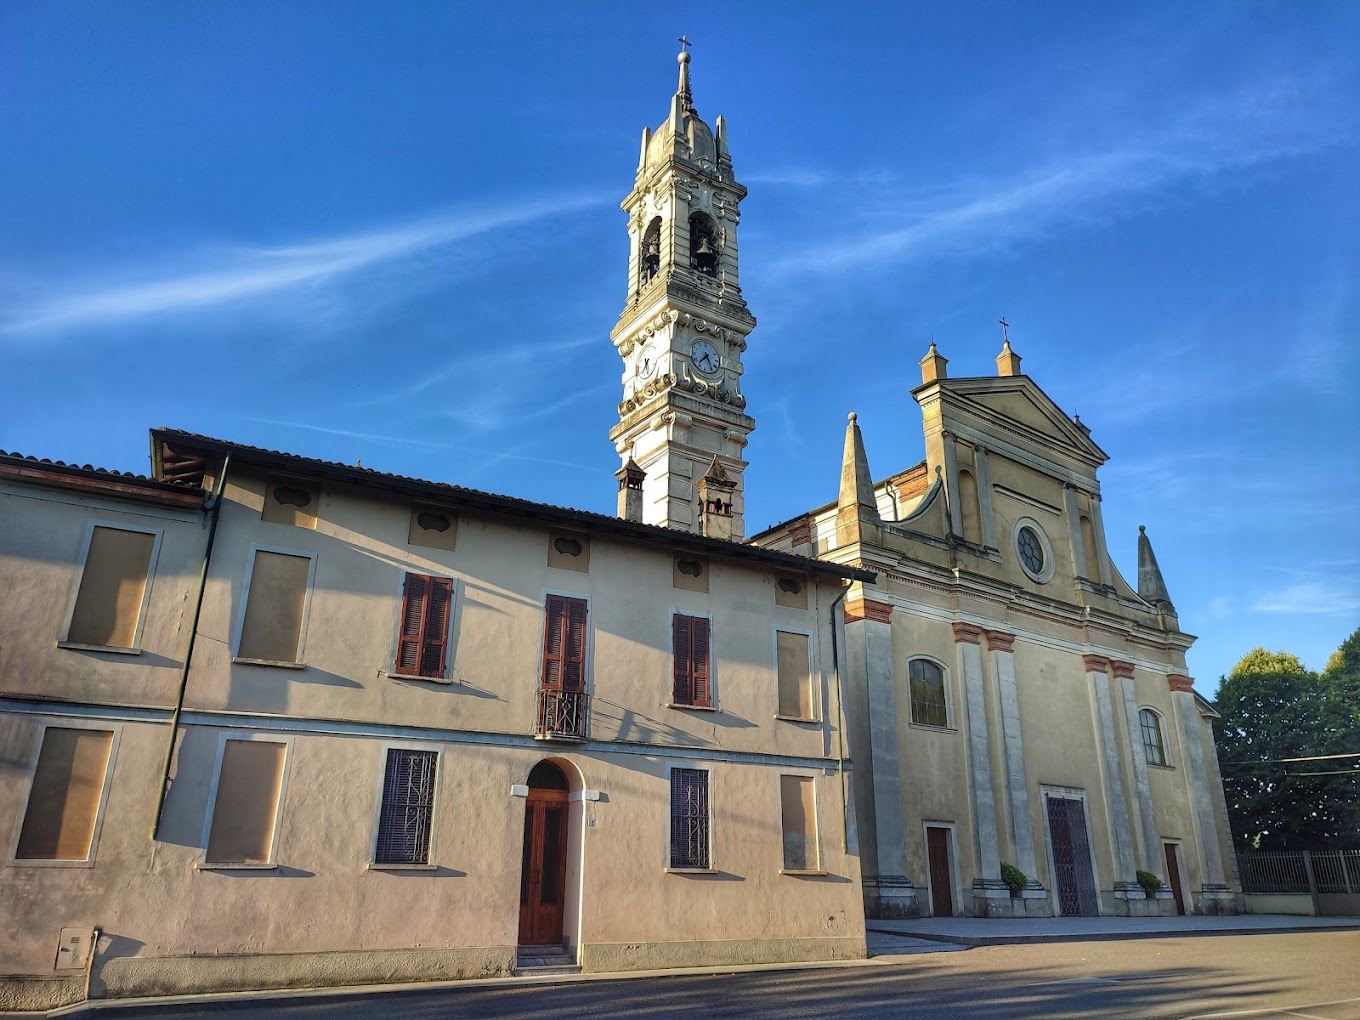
562,714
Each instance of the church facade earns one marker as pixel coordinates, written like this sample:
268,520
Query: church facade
269,721
1027,741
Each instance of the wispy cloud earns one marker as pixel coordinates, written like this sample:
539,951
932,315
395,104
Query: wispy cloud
1316,597
238,274
480,451
1080,186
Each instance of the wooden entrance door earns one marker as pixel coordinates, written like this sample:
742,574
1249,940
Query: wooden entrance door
1173,875
543,874
941,874
1072,857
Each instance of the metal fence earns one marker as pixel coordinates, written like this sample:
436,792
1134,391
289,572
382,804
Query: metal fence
1299,871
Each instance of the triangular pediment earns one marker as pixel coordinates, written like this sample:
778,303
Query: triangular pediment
1015,406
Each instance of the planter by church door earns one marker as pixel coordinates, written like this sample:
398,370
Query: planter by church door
543,875
1072,858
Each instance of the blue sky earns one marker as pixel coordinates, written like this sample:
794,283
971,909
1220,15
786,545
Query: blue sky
391,233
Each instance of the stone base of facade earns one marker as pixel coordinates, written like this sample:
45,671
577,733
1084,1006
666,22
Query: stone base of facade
993,898
611,957
38,992
889,897
126,977
1130,900
1216,899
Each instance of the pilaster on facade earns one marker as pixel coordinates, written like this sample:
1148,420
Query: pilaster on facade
1214,897
1002,646
1129,895
1102,555
984,488
1074,537
889,892
988,889
1145,817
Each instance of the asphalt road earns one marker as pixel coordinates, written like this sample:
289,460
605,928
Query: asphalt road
1314,975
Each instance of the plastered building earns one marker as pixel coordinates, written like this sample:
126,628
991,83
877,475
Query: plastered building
344,727
1013,699
268,721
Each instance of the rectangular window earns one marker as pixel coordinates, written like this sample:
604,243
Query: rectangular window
247,804
689,819
407,808
689,635
276,601
564,644
795,681
423,644
63,802
800,823
108,607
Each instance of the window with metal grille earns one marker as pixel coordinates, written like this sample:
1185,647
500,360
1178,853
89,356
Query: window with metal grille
689,819
1152,736
423,645
691,673
407,808
929,706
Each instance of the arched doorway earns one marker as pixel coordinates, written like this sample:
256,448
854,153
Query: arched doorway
543,875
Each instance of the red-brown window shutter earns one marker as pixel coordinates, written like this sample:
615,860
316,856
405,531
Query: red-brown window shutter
690,640
699,657
564,644
423,641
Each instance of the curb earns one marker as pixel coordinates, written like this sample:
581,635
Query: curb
1107,936
150,1005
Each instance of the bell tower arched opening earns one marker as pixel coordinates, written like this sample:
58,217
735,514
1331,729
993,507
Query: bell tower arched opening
703,244
649,253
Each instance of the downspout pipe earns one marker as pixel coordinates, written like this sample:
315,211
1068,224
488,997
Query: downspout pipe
840,721
213,505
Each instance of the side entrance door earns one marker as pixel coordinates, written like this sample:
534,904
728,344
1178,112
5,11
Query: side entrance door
1072,858
544,871
1173,875
941,874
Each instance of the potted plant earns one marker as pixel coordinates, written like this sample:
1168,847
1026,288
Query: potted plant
1151,884
1013,877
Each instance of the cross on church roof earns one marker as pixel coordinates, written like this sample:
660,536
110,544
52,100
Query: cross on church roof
1005,337
684,42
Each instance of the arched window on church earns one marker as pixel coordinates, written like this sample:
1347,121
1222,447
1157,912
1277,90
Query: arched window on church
929,698
703,245
1154,747
649,255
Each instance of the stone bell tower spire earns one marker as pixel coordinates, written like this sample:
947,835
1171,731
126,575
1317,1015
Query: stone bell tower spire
684,324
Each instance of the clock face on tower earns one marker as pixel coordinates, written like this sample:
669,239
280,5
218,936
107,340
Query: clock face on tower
647,363
705,357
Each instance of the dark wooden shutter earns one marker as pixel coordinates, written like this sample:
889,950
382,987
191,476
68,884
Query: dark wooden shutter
564,644
699,660
435,634
555,614
574,659
423,641
412,624
683,690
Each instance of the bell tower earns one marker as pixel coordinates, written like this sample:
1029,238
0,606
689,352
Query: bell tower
684,323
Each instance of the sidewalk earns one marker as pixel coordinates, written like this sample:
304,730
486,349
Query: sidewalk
1001,931
889,943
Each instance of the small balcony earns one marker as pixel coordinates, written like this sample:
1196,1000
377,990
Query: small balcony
562,715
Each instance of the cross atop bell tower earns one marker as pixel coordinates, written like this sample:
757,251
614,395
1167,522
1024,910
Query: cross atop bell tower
684,323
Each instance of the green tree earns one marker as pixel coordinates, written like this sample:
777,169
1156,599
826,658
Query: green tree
1273,708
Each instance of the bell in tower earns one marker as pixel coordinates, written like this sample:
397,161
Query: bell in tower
684,325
